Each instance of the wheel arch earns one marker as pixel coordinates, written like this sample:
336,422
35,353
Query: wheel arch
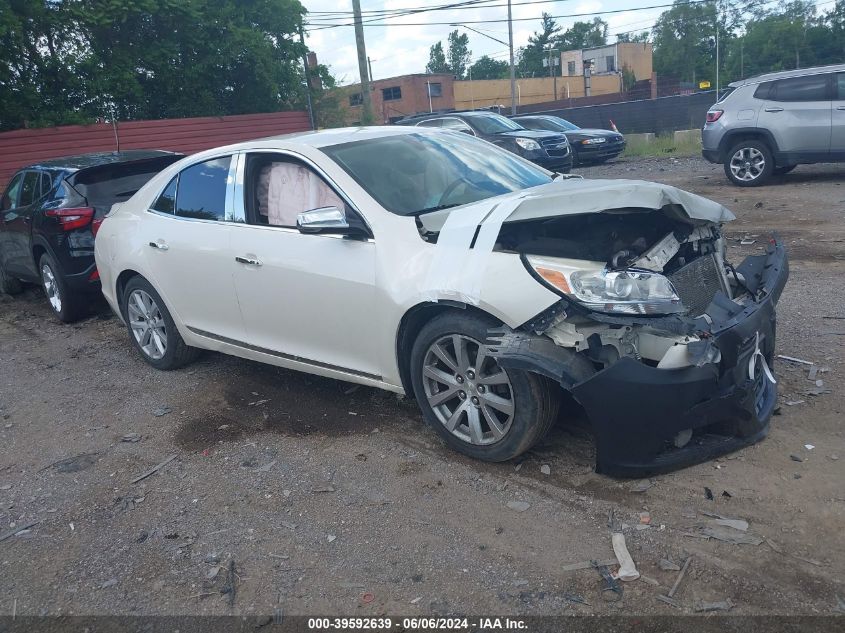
414,320
120,285
746,134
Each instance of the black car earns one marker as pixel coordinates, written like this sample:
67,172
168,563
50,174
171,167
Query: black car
50,213
547,149
588,145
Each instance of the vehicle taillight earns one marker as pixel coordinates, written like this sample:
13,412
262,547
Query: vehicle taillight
74,218
714,115
95,225
95,276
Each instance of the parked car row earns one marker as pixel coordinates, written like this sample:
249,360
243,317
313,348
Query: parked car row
549,141
438,265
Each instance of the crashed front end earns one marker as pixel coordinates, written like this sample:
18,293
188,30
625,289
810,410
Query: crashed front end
664,343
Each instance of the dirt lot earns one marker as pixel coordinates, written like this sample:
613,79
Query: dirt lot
338,500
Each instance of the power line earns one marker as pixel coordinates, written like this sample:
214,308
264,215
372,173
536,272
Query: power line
466,4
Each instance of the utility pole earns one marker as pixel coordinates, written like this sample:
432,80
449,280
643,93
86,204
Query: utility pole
510,47
307,80
367,113
370,67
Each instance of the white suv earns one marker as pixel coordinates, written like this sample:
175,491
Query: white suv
438,265
768,125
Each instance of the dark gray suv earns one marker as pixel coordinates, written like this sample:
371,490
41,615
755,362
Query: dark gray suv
767,125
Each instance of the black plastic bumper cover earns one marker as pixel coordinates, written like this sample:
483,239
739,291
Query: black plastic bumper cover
636,410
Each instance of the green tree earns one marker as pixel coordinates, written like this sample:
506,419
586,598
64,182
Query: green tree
684,40
488,68
437,60
458,54
584,35
532,55
633,37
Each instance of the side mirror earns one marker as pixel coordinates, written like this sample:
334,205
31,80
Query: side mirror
323,220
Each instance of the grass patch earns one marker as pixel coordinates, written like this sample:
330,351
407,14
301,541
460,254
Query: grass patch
663,145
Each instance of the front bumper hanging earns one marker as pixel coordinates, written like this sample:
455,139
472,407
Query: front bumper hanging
637,410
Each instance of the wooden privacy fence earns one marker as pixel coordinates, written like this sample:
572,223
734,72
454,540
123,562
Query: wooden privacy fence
25,147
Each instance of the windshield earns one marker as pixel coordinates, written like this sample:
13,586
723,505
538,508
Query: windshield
410,174
494,123
562,124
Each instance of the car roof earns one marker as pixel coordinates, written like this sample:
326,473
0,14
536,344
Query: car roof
786,74
338,136
96,159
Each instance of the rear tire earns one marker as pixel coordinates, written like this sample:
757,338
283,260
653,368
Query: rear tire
9,285
66,306
477,407
151,328
749,163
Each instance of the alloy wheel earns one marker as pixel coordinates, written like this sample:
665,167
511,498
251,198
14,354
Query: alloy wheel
51,287
469,392
747,164
147,324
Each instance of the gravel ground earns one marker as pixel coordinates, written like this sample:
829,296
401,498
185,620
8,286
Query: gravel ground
325,498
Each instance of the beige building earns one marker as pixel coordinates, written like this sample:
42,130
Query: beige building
491,92
396,97
610,59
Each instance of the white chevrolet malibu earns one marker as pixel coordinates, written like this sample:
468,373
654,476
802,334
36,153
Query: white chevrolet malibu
437,265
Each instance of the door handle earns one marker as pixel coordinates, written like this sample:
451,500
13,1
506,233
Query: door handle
248,261
774,109
842,107
159,245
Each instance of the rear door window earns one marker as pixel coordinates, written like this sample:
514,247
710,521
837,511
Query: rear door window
201,193
166,202
810,88
840,87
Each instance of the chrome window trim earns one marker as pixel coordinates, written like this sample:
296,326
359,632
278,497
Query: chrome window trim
239,202
461,121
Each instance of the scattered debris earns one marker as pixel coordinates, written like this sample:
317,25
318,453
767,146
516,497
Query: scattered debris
809,447
211,574
627,570
747,242
162,411
669,601
816,391
641,486
588,564
645,518
545,469
519,506
574,597
288,525
330,537
73,464
367,598
258,403
109,583
154,469
792,403
266,467
792,359
840,604
230,587
17,529
813,372
611,590
730,535
796,458
724,605
323,489
650,581
6,487
708,494
736,524
351,390
131,437
667,565
680,577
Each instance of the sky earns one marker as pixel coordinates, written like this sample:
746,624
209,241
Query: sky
398,50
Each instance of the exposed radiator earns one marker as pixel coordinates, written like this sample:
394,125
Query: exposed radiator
697,282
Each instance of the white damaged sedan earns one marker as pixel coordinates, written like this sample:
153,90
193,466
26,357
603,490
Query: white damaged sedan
437,265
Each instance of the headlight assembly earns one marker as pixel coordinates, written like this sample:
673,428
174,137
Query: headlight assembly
628,291
527,143
594,141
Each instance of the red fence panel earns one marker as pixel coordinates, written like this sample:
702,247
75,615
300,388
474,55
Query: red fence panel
25,147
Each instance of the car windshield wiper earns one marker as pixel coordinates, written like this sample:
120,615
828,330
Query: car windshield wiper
439,207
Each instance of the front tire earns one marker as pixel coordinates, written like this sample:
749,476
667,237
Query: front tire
65,304
476,406
749,163
151,328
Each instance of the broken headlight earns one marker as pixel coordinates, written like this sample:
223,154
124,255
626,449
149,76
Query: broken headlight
628,291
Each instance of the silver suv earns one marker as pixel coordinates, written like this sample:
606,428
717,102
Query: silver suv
767,125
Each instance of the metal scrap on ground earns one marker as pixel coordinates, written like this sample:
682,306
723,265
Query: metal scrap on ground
154,469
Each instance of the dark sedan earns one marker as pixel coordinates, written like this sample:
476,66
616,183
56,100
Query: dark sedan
50,213
547,149
588,145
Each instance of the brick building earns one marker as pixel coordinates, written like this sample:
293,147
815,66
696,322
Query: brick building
396,97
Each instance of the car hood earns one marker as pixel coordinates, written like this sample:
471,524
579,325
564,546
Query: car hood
575,196
583,133
535,134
